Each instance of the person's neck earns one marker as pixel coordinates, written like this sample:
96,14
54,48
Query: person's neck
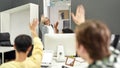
88,59
20,56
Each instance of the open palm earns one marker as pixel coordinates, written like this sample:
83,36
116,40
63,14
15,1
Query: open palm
80,15
34,24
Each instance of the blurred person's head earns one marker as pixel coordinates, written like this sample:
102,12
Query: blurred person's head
23,44
93,39
46,21
67,30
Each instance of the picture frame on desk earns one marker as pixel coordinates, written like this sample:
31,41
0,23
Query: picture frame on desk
70,61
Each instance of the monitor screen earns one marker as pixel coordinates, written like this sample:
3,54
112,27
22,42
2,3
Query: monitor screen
52,41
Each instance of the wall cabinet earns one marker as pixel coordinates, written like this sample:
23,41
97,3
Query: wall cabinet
16,20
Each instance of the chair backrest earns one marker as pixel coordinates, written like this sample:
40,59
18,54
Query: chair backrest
118,46
115,41
5,39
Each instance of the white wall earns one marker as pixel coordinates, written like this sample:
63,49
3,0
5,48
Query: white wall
5,22
19,23
46,3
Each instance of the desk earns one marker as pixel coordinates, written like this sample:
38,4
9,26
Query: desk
4,50
56,64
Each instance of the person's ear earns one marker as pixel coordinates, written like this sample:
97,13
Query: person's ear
29,48
14,46
80,49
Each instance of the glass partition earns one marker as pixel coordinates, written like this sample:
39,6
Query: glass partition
58,10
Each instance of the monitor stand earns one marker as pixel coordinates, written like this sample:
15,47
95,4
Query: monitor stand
60,54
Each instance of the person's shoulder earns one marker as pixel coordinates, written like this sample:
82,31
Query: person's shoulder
44,27
98,64
112,61
7,65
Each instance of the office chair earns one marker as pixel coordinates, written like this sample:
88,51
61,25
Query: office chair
115,41
5,39
118,46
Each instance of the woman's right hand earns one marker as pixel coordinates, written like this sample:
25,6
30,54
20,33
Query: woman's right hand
80,15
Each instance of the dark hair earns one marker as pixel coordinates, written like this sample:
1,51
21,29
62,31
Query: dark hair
67,30
22,43
95,38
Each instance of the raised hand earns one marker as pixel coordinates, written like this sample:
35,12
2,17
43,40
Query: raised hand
33,27
56,27
56,24
34,24
80,15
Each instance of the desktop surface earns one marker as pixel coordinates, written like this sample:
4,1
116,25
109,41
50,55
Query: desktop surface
6,49
78,64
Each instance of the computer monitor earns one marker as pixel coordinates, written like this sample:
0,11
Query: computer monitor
52,41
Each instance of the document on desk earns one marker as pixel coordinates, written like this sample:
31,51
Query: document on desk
47,58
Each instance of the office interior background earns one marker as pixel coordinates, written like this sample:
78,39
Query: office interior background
107,11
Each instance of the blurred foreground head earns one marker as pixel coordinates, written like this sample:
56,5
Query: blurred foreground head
93,39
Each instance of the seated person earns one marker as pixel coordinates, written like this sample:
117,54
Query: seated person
93,42
67,30
46,27
22,45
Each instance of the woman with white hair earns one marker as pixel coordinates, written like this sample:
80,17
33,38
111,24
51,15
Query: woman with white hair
46,27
